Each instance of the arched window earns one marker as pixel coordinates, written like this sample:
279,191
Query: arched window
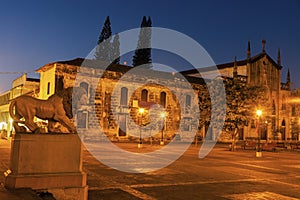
82,117
294,111
283,129
187,103
252,123
144,95
273,108
85,86
163,97
59,84
283,103
124,96
48,88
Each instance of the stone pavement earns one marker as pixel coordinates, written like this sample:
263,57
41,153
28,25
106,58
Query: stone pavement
221,175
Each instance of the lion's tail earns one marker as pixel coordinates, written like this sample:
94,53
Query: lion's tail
11,112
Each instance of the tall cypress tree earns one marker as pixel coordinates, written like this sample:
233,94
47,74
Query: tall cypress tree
149,22
116,49
104,51
143,56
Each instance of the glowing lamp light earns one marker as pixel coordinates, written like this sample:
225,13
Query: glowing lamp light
163,115
259,113
141,110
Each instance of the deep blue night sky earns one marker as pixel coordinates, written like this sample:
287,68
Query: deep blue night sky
34,33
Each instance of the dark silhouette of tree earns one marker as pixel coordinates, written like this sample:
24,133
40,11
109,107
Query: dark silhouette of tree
116,49
143,56
104,51
106,31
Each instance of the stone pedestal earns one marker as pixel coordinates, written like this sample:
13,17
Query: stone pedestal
48,162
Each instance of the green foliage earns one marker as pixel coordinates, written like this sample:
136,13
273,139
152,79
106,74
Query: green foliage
242,101
108,50
204,106
240,104
116,49
106,31
143,56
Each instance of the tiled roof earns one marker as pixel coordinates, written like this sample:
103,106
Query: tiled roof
152,74
231,64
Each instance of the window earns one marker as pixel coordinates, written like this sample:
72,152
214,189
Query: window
85,86
144,95
187,103
48,88
273,108
273,124
186,125
283,103
252,123
293,110
124,96
163,96
82,119
60,84
122,125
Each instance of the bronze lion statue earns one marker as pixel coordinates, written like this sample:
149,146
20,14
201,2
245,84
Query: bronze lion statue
57,108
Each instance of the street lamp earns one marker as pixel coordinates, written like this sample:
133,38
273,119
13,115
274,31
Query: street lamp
258,153
163,116
141,112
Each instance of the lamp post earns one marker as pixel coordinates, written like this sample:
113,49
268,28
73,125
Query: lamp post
163,116
141,112
258,153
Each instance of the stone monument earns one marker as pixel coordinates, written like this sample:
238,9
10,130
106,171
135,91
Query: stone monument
49,162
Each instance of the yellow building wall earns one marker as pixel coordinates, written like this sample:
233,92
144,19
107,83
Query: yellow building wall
47,77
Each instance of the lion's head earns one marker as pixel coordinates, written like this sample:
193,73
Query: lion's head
73,99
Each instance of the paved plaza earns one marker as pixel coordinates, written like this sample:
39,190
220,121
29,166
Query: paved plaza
222,174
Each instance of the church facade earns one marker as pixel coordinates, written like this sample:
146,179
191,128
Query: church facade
261,70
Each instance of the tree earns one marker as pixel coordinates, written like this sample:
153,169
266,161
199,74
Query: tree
240,105
106,31
143,55
204,105
116,49
104,51
241,102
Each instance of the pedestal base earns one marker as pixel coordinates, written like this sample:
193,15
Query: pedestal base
50,163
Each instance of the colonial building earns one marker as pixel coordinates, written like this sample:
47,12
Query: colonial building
117,108
22,85
5,122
